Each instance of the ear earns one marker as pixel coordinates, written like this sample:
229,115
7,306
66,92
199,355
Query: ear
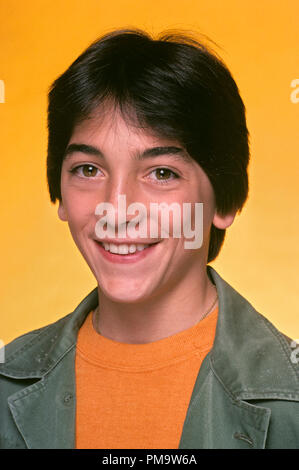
224,221
61,212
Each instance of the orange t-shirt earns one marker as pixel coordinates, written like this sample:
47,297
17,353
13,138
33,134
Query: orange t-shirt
135,396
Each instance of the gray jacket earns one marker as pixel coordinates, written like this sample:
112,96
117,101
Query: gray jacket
246,394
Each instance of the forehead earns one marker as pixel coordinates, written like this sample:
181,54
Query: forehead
109,123
106,132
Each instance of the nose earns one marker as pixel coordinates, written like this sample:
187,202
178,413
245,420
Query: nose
120,192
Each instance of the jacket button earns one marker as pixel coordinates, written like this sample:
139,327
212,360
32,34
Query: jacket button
244,437
67,398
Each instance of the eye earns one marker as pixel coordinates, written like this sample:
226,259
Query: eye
85,171
164,175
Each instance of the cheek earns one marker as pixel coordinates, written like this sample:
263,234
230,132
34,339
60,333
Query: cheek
202,211
78,203
206,196
80,210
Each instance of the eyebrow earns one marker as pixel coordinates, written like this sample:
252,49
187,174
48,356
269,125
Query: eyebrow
178,152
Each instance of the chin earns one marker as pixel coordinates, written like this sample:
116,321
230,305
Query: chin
123,292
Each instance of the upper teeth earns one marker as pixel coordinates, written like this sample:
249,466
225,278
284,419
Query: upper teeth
124,248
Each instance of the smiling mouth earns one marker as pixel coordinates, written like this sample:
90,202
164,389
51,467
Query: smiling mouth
125,249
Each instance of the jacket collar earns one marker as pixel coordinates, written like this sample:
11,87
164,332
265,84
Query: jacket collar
246,353
250,356
41,350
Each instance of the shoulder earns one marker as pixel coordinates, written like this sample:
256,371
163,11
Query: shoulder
33,354
250,355
30,354
23,342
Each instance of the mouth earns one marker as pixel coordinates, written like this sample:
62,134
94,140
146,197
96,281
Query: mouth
125,253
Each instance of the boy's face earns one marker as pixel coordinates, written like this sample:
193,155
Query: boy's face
88,179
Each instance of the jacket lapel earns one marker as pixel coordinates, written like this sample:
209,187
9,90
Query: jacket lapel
250,356
44,412
247,350
216,420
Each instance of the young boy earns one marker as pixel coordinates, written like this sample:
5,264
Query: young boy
163,353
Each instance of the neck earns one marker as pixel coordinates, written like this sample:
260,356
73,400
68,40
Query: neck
178,309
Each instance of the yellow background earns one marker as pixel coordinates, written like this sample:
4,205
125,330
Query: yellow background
43,276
